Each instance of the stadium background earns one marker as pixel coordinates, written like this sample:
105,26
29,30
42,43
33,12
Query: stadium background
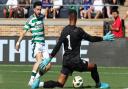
103,53
15,68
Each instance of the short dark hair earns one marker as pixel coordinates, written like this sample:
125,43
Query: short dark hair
115,10
37,3
72,12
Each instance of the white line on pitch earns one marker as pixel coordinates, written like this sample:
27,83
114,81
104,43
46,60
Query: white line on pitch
74,72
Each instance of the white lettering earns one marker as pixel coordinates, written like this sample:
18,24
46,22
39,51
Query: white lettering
22,51
12,51
84,51
2,42
30,58
50,42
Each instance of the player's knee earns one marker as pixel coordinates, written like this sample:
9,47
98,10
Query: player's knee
48,67
95,67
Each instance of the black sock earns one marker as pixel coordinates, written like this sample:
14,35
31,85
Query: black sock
52,84
95,75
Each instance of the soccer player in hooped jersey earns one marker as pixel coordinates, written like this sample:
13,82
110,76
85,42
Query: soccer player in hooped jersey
36,26
71,36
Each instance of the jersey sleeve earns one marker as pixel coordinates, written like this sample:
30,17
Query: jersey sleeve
58,45
27,26
90,38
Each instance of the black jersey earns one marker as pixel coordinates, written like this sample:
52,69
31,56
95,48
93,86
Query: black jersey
71,37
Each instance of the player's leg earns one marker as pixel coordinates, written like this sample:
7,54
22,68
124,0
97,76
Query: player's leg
37,54
84,65
95,76
39,57
51,84
47,68
65,72
40,53
42,72
59,83
94,73
45,64
36,81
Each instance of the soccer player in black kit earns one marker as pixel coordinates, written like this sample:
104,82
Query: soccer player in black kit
71,37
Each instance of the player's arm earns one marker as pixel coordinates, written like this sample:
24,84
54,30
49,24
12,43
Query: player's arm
107,37
92,38
22,34
88,37
58,45
44,63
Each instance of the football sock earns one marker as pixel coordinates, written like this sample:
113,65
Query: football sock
95,75
40,73
33,74
98,85
37,75
52,84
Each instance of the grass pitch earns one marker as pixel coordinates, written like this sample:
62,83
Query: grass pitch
17,77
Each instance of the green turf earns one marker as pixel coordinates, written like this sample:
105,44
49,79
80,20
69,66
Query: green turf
17,76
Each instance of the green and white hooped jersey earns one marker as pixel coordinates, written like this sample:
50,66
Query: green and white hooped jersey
36,27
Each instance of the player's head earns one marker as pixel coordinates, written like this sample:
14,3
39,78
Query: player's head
37,8
115,13
72,16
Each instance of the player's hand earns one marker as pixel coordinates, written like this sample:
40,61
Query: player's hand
108,37
17,46
42,66
44,63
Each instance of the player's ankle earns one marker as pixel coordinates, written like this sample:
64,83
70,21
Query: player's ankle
98,85
31,81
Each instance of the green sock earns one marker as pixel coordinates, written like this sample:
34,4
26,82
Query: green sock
33,74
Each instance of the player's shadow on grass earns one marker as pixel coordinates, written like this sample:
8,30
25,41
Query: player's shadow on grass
71,87
84,87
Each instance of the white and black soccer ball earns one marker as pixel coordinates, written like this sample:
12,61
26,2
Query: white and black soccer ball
77,82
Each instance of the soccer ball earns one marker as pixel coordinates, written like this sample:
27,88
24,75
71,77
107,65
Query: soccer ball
77,82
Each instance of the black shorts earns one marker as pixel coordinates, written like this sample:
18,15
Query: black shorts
70,68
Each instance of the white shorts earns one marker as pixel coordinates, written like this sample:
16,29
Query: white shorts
40,47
